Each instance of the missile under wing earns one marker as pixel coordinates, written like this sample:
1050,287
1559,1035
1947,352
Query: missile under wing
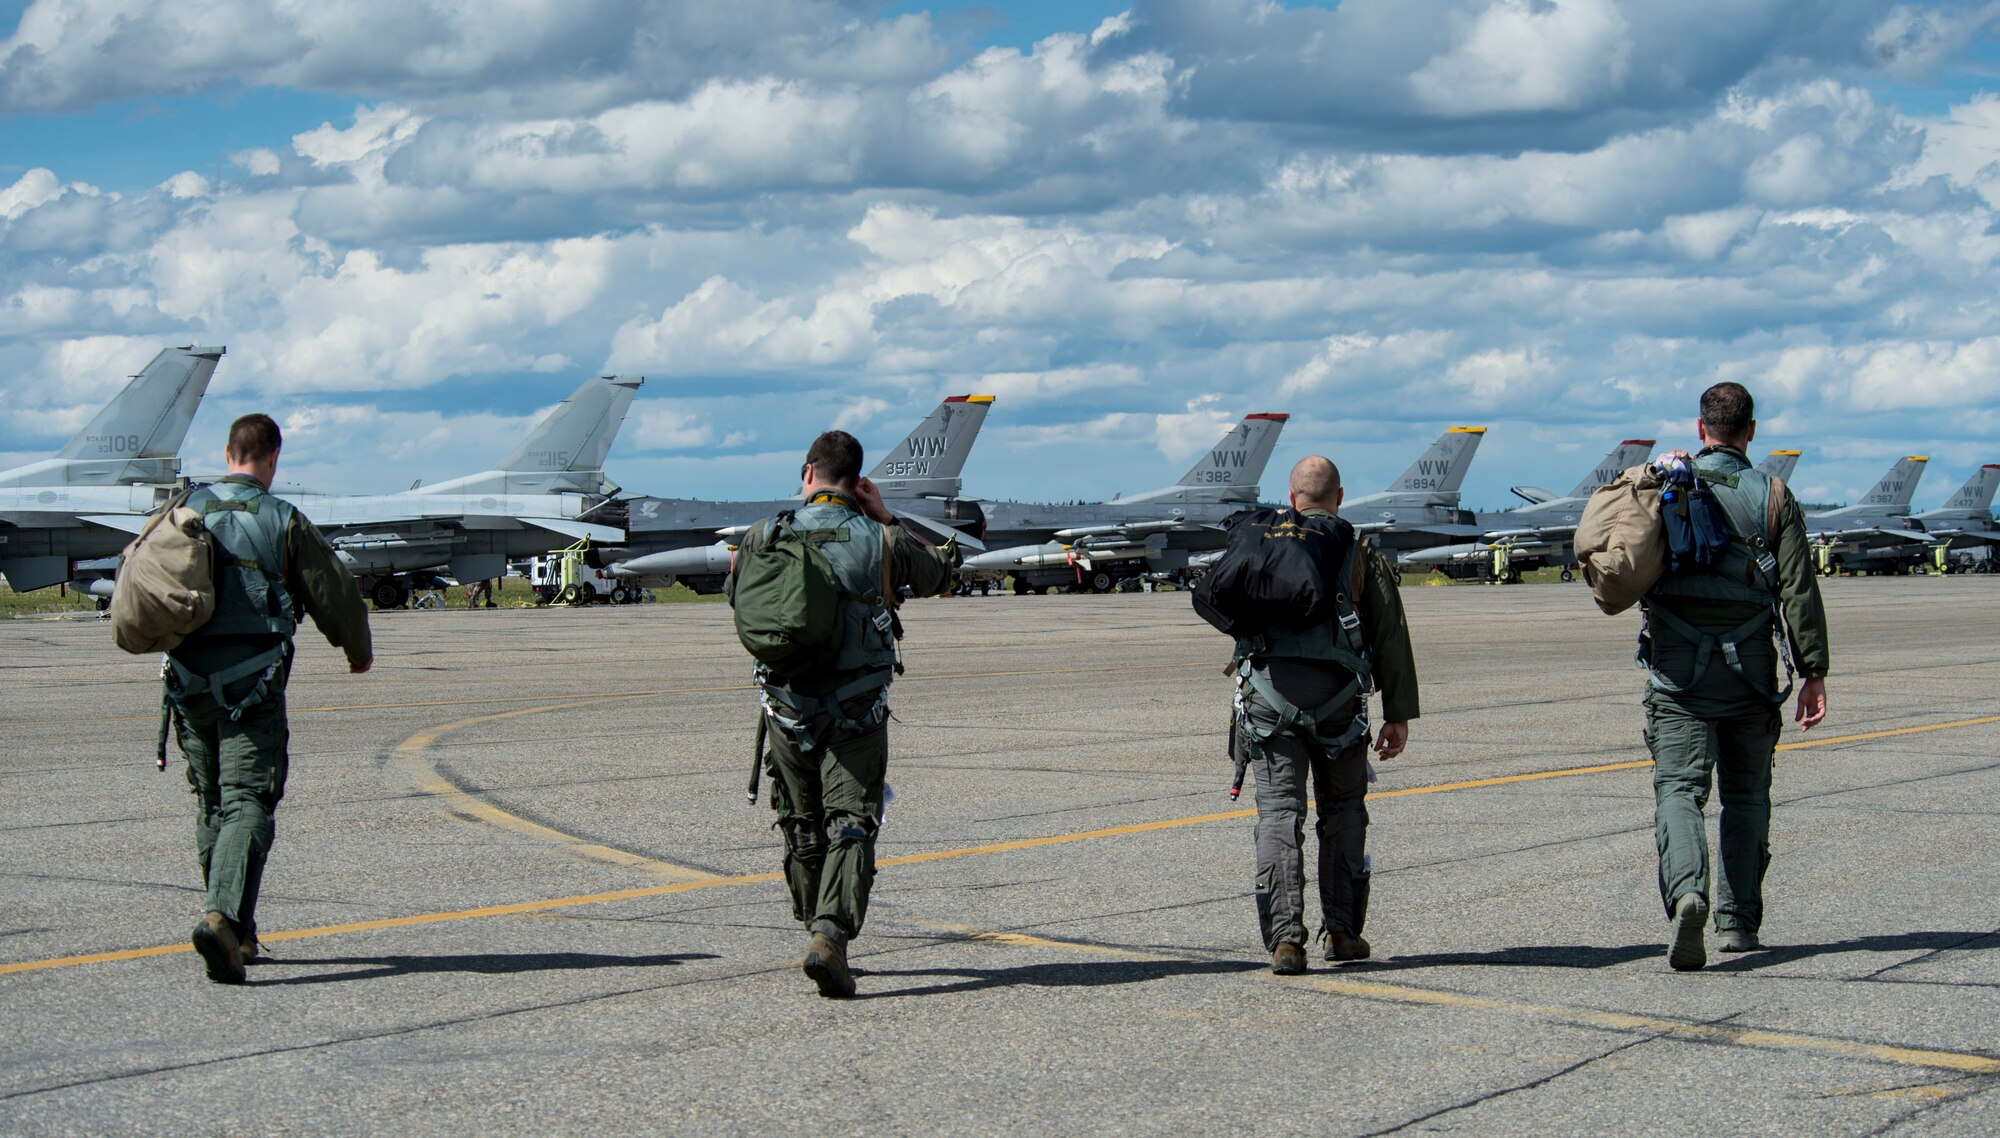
88,501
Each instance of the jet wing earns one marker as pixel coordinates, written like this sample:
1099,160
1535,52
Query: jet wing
129,523
1442,529
942,532
1127,529
1877,535
601,535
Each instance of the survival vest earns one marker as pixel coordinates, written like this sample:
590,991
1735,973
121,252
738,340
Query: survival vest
1739,568
248,525
166,581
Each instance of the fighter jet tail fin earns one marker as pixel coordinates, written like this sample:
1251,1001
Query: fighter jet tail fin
1442,468
137,436
1238,461
1623,457
926,464
565,452
1977,493
1898,486
1779,463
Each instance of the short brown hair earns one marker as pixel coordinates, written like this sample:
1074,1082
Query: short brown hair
254,437
836,456
1727,410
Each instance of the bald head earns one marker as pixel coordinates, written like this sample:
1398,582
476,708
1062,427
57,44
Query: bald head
1315,484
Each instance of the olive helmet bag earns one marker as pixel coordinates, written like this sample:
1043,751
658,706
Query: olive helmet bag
787,602
1278,570
1621,539
166,581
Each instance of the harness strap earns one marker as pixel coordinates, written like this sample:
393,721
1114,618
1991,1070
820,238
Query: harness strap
799,709
1706,644
1303,723
183,681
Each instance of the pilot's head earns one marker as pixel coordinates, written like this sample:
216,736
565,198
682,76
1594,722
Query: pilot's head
833,463
254,441
1316,484
1728,416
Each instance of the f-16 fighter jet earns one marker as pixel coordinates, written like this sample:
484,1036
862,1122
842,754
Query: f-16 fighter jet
1876,534
1100,545
688,540
1537,534
551,486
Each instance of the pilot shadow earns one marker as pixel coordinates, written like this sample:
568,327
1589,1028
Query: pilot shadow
1775,955
1090,974
479,964
1525,956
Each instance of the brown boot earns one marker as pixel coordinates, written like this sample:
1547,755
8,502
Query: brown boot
1288,959
1343,947
826,965
216,940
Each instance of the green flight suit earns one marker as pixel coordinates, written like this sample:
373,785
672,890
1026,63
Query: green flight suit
829,734
237,760
1708,718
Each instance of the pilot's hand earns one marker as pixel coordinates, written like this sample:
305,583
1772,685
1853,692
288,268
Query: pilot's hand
870,500
1390,741
363,666
1812,703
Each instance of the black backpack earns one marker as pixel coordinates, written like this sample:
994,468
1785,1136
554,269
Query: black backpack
1279,570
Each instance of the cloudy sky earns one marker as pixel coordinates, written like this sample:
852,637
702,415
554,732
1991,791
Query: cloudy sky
418,224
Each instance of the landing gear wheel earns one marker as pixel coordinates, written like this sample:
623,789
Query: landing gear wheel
1101,582
389,594
621,596
1568,576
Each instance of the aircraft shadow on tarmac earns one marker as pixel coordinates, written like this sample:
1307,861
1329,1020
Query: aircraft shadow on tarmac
483,964
1094,974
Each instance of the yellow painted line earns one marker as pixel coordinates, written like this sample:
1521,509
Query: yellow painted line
908,859
409,755
1713,1033
1802,744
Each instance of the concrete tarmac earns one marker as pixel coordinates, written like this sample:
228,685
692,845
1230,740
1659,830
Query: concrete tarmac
517,890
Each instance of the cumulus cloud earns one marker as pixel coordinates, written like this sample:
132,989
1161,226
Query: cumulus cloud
1561,216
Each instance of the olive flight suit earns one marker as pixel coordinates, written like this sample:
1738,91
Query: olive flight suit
829,733
1296,666
226,682
1713,700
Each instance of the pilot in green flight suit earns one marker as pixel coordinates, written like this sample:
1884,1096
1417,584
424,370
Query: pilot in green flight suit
226,682
829,733
1713,643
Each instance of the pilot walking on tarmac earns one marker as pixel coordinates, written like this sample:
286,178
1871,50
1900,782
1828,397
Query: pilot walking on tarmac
1303,694
1712,642
828,729
226,682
